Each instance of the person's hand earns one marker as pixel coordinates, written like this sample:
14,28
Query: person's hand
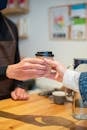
57,70
28,68
19,94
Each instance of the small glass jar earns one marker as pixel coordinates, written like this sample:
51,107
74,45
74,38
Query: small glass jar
79,109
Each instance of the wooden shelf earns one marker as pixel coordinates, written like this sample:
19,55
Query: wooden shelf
16,11
23,37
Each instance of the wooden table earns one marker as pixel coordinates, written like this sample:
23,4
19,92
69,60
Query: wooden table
38,113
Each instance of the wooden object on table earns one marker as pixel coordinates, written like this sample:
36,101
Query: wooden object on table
38,113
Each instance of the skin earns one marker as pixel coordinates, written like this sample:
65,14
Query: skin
28,68
58,70
34,68
19,94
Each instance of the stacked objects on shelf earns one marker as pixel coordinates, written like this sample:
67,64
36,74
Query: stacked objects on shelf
18,3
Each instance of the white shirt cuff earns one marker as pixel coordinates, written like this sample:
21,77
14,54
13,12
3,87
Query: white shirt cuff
71,80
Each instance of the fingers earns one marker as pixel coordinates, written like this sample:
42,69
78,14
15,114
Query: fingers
13,95
31,63
31,74
34,60
33,66
19,94
52,75
50,62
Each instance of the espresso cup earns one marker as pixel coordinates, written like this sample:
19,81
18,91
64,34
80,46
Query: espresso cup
59,97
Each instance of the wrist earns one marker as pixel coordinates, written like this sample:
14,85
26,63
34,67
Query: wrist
63,71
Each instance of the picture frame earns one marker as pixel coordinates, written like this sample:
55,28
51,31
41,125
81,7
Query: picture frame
78,15
59,22
68,22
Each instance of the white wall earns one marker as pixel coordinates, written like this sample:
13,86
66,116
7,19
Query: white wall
64,51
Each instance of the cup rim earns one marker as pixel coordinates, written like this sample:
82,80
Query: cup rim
59,93
45,53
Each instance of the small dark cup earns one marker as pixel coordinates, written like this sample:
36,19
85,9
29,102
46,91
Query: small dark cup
59,97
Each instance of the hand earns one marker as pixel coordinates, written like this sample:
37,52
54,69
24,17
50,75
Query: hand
57,71
28,68
19,94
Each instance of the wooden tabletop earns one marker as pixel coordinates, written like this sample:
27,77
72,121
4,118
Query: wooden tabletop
38,113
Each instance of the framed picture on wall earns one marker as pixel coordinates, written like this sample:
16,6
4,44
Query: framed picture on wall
68,22
78,14
59,22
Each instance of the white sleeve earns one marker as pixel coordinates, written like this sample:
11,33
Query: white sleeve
71,80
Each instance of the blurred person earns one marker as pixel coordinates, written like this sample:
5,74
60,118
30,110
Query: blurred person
11,70
71,79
